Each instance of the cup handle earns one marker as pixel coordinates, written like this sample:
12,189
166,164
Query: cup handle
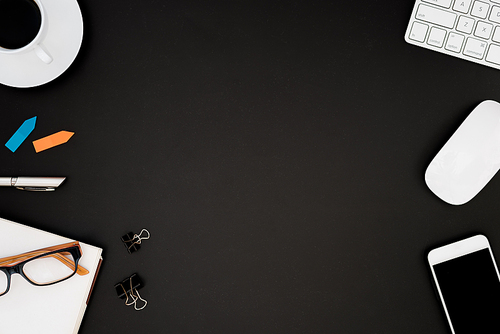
43,54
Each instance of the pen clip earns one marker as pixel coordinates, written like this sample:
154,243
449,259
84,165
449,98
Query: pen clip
36,188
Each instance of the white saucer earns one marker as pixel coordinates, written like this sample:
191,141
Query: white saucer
63,41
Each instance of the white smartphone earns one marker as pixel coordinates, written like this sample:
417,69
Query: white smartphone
468,284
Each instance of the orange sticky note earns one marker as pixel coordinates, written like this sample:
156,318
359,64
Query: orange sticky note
55,139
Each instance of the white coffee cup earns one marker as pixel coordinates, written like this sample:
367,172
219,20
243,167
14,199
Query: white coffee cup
36,44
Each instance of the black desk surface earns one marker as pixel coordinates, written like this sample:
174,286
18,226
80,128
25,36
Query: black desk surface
274,149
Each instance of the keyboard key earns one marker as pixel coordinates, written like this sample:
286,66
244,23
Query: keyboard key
442,3
496,35
462,6
436,16
495,14
418,31
454,42
480,9
436,37
483,30
465,24
494,54
475,48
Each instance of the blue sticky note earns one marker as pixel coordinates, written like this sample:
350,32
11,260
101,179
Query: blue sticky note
21,134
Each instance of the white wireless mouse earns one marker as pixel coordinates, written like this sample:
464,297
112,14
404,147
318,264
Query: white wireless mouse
469,159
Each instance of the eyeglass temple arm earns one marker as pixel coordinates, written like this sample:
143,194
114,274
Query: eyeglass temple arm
70,264
13,260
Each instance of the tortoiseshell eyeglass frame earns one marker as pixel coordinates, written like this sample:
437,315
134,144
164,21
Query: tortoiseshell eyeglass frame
14,264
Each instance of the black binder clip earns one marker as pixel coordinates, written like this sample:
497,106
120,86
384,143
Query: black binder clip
133,241
128,287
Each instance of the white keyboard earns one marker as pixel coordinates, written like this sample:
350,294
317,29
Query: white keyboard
466,29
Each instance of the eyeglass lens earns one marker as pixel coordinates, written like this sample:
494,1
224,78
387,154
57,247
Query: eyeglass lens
50,268
3,282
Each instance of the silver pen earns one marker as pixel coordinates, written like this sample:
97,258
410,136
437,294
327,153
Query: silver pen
32,183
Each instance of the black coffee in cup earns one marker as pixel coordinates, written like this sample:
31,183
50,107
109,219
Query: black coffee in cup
20,22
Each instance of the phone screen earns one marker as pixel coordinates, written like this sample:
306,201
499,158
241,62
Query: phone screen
471,291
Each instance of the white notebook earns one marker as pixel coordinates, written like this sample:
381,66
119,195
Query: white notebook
54,309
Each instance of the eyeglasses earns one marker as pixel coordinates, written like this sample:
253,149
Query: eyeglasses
44,266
